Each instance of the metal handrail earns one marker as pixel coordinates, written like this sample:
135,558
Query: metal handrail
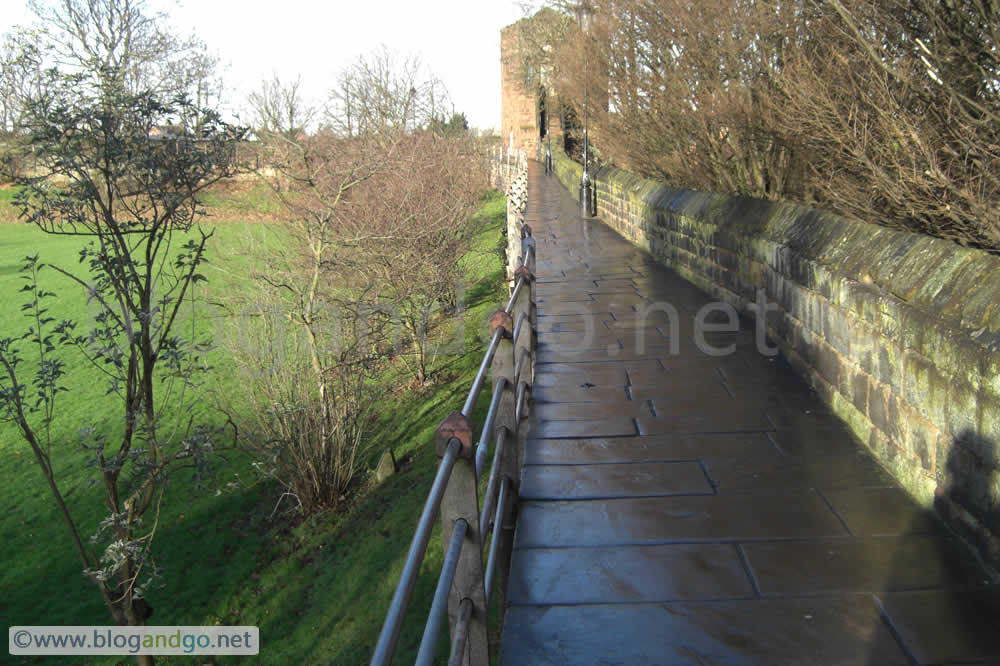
483,447
491,490
433,628
522,360
521,318
454,478
514,294
491,562
477,383
414,558
519,400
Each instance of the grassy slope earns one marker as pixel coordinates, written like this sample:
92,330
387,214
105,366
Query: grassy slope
7,211
38,557
234,201
319,591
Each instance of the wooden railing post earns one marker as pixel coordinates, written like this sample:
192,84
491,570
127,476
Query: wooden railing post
463,585
509,466
513,236
461,501
529,264
503,366
523,344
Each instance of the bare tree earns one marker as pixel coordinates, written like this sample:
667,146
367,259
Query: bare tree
886,111
198,76
383,93
683,91
20,79
414,221
897,104
305,337
20,76
280,108
97,39
375,228
538,41
122,44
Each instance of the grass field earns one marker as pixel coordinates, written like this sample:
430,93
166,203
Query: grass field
241,201
318,589
7,211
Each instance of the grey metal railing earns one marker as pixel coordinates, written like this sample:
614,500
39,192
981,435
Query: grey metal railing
467,584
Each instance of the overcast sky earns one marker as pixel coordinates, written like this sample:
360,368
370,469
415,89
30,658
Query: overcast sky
457,40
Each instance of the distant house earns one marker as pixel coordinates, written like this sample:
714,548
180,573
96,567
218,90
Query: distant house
165,132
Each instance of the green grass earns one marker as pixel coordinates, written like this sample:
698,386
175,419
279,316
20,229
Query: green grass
7,194
229,202
39,559
318,590
241,201
8,213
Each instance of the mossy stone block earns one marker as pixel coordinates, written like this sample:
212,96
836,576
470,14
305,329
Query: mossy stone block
386,466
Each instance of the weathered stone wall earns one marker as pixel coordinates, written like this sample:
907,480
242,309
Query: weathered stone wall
518,112
899,333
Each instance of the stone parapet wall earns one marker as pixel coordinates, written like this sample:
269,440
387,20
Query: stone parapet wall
899,333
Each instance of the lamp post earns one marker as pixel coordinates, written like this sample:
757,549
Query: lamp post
548,146
584,15
548,153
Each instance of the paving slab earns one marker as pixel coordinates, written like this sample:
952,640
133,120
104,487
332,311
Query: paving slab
577,429
650,448
675,520
612,480
881,512
741,473
586,411
552,576
815,443
651,373
796,632
577,375
575,341
568,324
588,291
655,314
664,396
615,349
953,626
565,295
605,305
729,418
857,565
625,302
710,392
632,345
593,394
624,283
575,309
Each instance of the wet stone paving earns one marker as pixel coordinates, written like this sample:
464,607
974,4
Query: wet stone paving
690,501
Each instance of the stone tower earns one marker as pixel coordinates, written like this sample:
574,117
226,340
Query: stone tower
525,111
518,110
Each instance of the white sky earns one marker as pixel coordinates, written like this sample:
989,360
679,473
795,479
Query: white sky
457,40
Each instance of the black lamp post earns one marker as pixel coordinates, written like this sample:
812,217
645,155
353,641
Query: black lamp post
584,14
548,151
548,138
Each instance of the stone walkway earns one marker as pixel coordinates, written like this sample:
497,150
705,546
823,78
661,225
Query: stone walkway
691,502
